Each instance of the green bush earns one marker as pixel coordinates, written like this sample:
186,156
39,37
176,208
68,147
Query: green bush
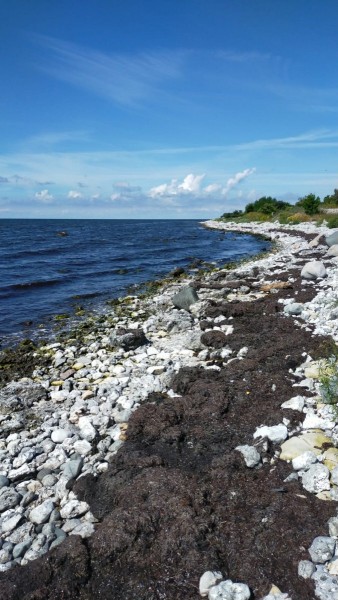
310,204
332,221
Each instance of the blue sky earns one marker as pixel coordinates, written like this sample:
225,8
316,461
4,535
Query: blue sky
166,109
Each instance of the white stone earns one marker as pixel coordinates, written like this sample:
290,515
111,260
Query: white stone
227,590
304,461
208,580
295,403
313,421
276,434
87,431
316,479
74,508
59,435
83,447
313,270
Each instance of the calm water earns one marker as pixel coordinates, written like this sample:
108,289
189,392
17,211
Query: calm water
43,273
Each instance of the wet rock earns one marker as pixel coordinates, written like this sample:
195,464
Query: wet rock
208,580
251,457
313,270
185,298
322,549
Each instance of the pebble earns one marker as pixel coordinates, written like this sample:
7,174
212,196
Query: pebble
59,435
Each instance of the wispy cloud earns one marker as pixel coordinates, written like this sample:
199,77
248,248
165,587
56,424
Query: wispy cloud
74,195
125,79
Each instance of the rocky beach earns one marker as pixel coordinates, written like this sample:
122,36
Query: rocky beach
183,445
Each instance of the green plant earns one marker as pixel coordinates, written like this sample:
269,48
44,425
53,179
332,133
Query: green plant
328,380
310,204
332,221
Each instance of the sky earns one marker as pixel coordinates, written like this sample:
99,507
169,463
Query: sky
166,108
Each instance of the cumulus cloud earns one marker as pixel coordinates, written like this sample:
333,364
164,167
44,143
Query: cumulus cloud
192,185
44,196
74,195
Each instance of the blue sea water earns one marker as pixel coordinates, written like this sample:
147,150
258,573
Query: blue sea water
43,273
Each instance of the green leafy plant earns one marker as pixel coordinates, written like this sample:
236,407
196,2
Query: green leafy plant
328,380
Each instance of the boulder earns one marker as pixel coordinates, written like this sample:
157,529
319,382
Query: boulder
313,270
333,250
332,239
185,298
128,339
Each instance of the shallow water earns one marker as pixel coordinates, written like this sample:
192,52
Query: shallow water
44,273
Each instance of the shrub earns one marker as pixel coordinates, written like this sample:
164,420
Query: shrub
297,218
309,203
332,221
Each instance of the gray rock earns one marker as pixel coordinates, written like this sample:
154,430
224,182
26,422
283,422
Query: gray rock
21,533
9,498
60,537
41,513
334,475
70,524
4,481
49,480
185,298
12,523
313,270
251,457
326,585
227,590
333,526
316,479
305,569
129,339
322,549
73,468
294,308
42,473
19,395
54,516
208,580
49,531
85,530
21,548
5,556
332,239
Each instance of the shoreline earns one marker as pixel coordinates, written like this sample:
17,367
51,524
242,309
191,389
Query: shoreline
79,408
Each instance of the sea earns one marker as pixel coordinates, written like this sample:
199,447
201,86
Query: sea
50,267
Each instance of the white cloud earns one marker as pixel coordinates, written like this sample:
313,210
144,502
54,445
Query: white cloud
44,196
191,185
74,195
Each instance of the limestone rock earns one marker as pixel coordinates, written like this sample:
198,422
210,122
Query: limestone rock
313,270
227,590
304,461
208,580
311,440
40,514
251,457
316,479
295,308
333,250
322,549
275,433
295,403
305,569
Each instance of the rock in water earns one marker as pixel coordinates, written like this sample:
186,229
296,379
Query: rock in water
185,298
313,270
